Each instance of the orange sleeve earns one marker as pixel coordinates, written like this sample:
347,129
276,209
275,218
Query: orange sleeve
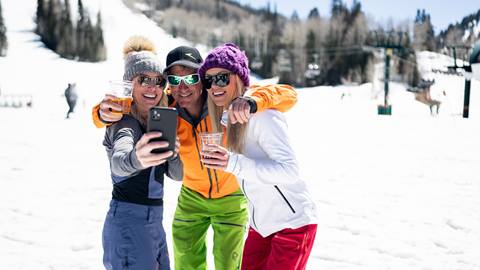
280,97
96,117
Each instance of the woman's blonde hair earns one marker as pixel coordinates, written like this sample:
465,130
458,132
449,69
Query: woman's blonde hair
235,132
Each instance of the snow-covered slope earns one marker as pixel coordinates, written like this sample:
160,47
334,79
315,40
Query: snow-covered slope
393,192
25,58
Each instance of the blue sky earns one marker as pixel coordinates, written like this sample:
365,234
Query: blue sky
442,12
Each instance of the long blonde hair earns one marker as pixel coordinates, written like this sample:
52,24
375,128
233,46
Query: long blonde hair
235,132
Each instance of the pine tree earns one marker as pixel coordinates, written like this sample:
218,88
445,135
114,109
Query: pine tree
40,18
407,66
174,31
356,9
51,36
99,43
310,45
314,14
88,36
423,34
430,40
240,40
338,8
343,57
295,17
213,40
218,15
274,43
66,44
80,39
3,35
58,33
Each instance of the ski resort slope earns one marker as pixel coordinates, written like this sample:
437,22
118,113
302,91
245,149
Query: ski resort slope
393,192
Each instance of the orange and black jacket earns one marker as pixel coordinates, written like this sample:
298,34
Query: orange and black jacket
208,182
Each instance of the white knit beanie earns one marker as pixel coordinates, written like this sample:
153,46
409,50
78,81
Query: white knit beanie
140,57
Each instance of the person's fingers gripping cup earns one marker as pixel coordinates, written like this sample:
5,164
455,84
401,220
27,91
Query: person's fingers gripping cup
122,90
209,140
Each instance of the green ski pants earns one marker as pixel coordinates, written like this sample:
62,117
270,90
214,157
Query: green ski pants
228,217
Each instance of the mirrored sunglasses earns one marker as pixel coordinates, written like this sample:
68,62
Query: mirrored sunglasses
191,79
220,80
151,81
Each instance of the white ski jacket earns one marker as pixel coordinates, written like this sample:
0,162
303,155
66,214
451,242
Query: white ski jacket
268,175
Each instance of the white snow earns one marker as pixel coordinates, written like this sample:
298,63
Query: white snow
393,192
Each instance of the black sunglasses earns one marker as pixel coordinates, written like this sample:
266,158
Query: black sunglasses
220,80
155,81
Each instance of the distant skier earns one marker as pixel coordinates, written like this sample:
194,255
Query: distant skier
71,96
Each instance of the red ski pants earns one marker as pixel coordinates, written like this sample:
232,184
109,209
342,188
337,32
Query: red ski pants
287,249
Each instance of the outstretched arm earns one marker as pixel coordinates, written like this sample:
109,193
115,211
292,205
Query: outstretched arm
97,121
106,112
279,97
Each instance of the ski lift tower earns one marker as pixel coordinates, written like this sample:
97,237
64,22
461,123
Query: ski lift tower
388,41
471,70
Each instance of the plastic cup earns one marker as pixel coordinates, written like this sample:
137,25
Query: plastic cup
210,138
122,90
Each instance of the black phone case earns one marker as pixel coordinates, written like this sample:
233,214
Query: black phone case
163,119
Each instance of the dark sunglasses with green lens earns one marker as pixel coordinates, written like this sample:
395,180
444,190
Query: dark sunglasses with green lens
220,80
145,81
191,79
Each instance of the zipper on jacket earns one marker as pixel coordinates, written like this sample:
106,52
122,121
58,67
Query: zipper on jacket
196,145
194,123
289,205
201,127
211,184
216,180
253,207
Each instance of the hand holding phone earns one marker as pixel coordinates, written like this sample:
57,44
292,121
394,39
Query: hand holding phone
144,148
163,119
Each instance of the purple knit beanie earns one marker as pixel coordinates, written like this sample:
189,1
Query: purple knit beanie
227,56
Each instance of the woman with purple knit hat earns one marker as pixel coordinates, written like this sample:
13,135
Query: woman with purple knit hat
282,213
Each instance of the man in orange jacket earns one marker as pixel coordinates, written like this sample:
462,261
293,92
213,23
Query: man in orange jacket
208,197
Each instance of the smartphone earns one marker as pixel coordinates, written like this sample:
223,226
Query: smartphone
163,119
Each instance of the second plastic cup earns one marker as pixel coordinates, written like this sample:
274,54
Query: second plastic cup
210,138
122,90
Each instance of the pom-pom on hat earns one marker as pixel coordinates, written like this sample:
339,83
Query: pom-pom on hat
227,56
140,57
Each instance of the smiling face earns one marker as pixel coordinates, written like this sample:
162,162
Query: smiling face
188,97
147,91
221,95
